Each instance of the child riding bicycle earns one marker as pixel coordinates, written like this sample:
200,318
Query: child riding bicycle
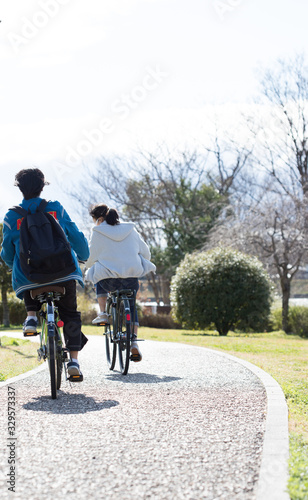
118,257
31,183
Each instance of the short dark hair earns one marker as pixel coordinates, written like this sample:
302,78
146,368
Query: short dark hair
110,215
30,181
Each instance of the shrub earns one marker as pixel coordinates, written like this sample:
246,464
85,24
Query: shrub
87,309
17,311
224,287
158,321
298,320
275,321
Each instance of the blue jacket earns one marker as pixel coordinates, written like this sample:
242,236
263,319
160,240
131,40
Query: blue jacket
10,244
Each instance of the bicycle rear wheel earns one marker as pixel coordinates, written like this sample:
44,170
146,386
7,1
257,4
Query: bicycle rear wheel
111,346
124,330
52,363
59,358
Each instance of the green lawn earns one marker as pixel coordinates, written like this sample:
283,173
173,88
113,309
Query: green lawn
285,357
16,356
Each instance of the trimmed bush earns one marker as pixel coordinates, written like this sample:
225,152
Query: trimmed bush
275,321
298,320
224,287
158,321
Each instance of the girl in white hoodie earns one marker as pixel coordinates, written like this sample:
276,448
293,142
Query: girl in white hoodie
118,257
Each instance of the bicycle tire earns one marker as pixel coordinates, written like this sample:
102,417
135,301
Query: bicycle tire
124,331
59,359
52,363
111,346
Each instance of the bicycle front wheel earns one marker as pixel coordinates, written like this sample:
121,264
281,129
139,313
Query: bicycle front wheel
111,346
52,362
124,330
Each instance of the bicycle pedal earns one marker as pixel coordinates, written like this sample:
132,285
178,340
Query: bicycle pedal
135,357
31,334
75,378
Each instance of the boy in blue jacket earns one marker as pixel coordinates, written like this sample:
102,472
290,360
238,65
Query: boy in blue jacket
31,183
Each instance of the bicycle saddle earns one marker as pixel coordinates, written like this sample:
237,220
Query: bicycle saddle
46,289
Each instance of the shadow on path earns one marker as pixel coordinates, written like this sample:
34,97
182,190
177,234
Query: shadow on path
68,403
140,378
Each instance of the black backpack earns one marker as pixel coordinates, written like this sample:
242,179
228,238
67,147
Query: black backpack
45,253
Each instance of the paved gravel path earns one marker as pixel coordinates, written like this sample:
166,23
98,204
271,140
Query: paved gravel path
185,423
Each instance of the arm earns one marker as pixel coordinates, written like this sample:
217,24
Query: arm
143,248
8,247
94,249
76,238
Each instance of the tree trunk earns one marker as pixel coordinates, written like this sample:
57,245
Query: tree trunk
152,281
286,291
166,290
5,305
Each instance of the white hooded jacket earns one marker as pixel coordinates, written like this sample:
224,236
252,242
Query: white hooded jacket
117,252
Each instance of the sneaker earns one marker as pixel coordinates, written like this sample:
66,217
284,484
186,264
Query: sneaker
102,319
30,325
135,352
75,374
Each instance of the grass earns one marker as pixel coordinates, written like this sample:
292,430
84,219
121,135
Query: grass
285,357
16,356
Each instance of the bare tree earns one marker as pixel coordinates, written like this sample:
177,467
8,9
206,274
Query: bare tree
283,134
228,159
273,229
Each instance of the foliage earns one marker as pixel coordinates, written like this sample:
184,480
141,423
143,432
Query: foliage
298,320
224,287
87,309
298,482
17,311
174,214
186,214
164,321
275,321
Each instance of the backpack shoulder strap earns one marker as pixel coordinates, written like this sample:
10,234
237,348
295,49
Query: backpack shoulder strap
41,207
19,210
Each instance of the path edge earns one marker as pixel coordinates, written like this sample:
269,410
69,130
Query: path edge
274,470
23,375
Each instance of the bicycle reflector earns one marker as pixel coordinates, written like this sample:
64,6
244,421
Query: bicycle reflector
127,317
60,324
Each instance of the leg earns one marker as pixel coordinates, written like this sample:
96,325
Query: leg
74,338
133,284
32,307
67,306
101,295
102,303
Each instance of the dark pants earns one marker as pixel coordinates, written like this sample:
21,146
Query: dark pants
67,307
113,284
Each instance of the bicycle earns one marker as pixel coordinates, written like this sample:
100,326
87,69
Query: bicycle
120,332
51,336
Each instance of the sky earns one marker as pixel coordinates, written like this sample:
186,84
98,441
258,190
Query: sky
80,79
